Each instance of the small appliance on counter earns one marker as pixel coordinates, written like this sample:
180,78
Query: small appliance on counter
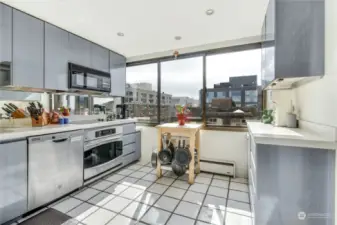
122,112
291,120
279,116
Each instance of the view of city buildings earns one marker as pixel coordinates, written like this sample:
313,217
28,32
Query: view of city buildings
231,103
228,103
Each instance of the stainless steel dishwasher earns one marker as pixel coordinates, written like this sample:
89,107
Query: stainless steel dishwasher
55,166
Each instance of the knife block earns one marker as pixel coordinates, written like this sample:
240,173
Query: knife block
41,121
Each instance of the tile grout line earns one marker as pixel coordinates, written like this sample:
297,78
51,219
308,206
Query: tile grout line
160,195
153,205
168,219
101,207
134,200
202,203
150,206
118,195
229,184
85,201
144,190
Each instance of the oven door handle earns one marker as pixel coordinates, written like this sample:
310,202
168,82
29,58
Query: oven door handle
89,145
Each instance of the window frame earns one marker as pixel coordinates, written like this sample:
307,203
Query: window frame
204,54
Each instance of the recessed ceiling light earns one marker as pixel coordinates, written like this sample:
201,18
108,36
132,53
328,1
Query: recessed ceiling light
178,38
120,34
209,12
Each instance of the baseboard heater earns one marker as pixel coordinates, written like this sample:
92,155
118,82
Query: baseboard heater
218,167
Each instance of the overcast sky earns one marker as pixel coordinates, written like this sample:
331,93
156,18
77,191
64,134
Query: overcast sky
184,77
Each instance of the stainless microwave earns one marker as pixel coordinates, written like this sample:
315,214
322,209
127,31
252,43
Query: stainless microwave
84,78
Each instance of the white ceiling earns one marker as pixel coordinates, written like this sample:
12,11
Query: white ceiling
150,25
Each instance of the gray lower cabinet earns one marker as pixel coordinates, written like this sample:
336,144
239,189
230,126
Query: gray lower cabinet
138,145
129,128
99,58
5,44
118,74
131,144
79,50
28,53
56,58
291,185
13,177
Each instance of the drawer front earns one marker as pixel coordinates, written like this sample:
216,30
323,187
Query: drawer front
128,139
129,128
127,159
129,148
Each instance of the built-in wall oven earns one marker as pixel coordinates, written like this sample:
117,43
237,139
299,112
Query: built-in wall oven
103,150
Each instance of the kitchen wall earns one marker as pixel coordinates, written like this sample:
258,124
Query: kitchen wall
214,145
20,99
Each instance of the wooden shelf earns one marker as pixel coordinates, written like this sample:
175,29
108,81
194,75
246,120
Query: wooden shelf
191,131
169,168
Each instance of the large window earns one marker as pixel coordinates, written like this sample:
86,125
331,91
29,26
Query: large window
141,92
181,81
239,75
232,88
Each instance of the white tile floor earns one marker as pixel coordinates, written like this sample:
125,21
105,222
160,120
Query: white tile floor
134,196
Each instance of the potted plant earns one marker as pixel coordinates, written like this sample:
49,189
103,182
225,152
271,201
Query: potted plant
182,114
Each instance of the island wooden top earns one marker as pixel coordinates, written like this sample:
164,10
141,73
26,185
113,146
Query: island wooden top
175,129
176,125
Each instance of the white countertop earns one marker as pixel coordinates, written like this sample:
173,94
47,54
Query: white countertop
12,134
268,134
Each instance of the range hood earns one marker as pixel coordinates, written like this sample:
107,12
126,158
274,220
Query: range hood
290,83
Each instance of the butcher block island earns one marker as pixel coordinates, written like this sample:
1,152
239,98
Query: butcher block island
184,155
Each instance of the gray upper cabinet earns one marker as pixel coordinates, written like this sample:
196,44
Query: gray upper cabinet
28,39
56,58
293,42
5,44
118,74
99,58
35,54
79,50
